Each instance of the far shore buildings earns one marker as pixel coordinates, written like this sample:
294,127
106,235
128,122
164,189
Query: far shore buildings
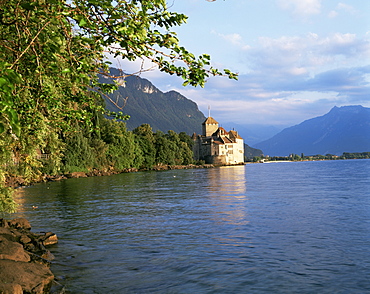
217,146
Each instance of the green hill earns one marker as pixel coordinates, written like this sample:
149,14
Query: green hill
147,104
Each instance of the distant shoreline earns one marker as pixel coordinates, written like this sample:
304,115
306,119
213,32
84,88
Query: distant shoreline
304,160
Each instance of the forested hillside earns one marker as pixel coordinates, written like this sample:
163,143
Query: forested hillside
146,104
51,53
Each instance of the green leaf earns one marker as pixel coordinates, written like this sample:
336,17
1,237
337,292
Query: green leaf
3,82
16,129
83,22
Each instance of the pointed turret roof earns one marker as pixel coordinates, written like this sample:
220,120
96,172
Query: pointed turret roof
210,121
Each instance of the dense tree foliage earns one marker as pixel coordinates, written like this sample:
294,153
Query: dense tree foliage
50,54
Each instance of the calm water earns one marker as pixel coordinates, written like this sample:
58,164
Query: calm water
260,228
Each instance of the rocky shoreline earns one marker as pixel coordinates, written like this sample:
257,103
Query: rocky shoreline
19,181
24,259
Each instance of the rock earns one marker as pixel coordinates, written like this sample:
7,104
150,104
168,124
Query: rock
24,239
11,289
20,223
48,239
30,247
57,288
32,277
48,255
76,175
8,234
24,260
12,251
38,259
4,223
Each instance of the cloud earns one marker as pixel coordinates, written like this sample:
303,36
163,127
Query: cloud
347,82
258,99
299,56
301,8
284,80
234,39
342,7
346,7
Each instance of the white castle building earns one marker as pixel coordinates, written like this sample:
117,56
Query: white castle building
217,146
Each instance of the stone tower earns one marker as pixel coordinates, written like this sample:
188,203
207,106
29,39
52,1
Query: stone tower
209,126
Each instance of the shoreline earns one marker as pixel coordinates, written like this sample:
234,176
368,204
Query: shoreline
18,181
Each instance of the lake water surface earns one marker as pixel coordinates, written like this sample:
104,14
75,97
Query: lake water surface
261,228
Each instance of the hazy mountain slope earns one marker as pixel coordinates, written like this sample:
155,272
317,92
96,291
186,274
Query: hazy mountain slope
253,133
344,129
250,152
147,104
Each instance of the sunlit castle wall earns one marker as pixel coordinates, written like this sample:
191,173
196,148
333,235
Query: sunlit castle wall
209,126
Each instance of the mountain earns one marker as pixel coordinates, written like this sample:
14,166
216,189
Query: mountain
343,129
253,133
250,152
162,111
147,104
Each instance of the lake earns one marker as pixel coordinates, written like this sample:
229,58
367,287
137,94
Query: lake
298,227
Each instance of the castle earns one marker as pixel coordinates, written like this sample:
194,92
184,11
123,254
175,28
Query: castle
217,146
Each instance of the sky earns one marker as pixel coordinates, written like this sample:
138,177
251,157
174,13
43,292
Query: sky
296,59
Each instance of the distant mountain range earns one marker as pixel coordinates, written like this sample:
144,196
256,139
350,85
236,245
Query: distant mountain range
253,133
343,129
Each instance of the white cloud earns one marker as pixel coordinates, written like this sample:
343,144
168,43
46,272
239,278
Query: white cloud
297,71
234,39
332,14
346,7
290,78
307,54
301,7
342,7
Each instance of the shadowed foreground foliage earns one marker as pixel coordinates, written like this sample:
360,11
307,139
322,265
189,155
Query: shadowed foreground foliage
51,52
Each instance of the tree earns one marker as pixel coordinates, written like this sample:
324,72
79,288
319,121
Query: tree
122,150
165,149
50,54
145,139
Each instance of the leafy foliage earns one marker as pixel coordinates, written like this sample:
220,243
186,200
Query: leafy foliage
50,55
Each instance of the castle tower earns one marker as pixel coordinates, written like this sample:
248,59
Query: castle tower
209,126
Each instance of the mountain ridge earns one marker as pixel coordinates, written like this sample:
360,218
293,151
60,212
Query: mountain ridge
145,103
342,129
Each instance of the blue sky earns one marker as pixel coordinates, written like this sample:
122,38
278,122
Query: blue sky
296,59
